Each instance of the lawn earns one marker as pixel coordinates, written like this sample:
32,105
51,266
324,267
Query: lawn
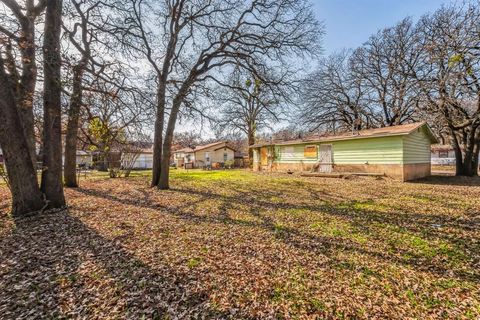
241,245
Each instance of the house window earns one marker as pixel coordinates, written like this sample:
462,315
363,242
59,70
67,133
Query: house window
310,152
225,156
188,158
288,152
443,154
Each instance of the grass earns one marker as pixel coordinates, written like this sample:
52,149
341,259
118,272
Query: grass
237,244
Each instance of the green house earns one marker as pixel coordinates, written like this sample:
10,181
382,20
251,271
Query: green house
401,152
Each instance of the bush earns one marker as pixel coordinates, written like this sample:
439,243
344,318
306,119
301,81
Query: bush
229,164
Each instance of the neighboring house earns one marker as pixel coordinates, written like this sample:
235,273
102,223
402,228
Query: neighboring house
206,155
143,160
443,154
83,158
402,152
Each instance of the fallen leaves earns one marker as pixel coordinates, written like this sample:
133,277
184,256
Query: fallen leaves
234,244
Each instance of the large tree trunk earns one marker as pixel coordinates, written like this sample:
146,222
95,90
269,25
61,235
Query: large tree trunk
52,154
476,154
28,82
161,102
158,135
167,143
70,165
466,161
26,195
251,141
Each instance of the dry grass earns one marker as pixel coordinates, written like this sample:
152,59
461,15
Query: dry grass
235,244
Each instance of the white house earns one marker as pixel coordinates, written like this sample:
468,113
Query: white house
83,158
205,155
443,154
144,159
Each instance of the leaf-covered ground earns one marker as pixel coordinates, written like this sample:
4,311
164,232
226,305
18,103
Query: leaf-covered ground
236,244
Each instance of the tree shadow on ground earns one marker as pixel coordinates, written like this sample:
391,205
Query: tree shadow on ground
55,266
449,180
318,244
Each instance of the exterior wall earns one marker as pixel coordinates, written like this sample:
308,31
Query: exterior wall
180,158
416,155
448,160
412,171
198,157
218,155
294,154
401,157
416,147
79,159
144,161
390,170
384,150
86,159
299,166
256,159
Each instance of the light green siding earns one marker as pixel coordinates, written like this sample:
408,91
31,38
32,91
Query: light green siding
294,154
256,155
416,147
384,150
400,149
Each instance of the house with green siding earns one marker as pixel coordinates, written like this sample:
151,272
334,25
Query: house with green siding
401,152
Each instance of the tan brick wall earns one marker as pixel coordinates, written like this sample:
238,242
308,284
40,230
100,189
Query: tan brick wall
391,170
402,172
416,171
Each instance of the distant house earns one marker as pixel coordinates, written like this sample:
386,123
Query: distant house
143,160
83,158
443,154
402,152
206,155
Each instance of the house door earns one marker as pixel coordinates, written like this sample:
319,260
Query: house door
264,156
207,158
325,158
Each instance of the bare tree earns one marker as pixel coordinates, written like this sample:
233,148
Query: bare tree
197,39
113,113
249,103
334,96
83,31
26,194
383,64
449,77
52,184
18,34
187,139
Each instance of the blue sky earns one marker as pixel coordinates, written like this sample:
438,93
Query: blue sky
349,23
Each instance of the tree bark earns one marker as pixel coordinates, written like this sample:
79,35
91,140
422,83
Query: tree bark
28,83
70,165
26,195
251,141
51,184
23,85
163,183
158,134
466,161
